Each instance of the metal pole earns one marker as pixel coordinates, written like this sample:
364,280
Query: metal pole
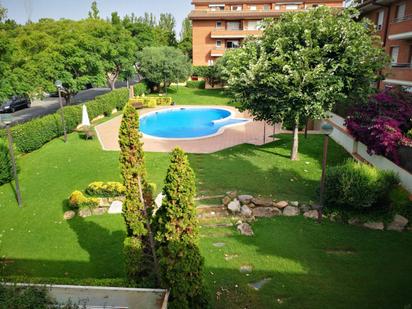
62,115
13,160
322,180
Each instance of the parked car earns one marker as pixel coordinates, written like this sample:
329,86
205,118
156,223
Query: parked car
15,103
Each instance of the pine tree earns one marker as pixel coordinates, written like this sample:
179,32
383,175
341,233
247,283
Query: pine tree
176,230
139,245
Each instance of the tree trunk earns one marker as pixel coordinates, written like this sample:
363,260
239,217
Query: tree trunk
295,146
112,78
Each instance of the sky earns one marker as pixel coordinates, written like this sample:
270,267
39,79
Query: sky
22,10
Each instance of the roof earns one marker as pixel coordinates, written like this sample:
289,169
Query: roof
258,1
370,5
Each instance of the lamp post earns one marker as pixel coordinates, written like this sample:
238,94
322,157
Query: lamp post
7,120
327,130
59,86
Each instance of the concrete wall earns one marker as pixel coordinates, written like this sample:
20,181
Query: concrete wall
358,150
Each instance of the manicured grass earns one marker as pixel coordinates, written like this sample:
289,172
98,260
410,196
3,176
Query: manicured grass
310,266
373,269
190,96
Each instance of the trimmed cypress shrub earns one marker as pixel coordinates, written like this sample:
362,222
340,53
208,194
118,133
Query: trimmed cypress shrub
176,230
6,172
137,211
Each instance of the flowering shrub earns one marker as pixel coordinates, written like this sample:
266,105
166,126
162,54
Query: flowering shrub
383,123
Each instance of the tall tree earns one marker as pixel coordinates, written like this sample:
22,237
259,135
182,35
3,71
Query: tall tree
186,35
304,64
177,234
166,26
139,245
94,12
3,13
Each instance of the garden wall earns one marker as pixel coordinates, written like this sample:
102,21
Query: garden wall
358,150
106,297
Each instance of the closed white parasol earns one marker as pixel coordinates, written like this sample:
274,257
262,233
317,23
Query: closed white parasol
85,117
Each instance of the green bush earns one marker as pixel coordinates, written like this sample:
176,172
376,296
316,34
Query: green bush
140,89
198,84
151,102
106,189
77,200
34,134
357,186
199,71
6,172
15,297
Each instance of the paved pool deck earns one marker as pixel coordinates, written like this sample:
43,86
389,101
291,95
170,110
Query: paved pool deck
252,132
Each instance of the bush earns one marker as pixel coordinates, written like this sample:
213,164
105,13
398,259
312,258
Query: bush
14,297
106,189
34,134
151,102
78,200
357,186
6,172
198,84
383,123
199,71
140,89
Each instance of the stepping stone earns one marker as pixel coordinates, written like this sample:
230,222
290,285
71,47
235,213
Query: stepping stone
116,208
258,285
219,244
246,269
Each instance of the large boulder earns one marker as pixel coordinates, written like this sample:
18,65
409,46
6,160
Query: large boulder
245,199
374,225
281,204
304,208
234,206
99,211
232,194
85,212
245,229
262,202
291,211
398,224
246,211
266,212
311,214
294,203
116,208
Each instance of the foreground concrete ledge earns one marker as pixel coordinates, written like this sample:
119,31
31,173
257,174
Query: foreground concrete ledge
104,297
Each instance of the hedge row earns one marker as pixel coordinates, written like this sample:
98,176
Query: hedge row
196,84
151,102
34,134
6,174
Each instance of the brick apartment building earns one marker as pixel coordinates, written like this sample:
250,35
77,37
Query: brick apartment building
220,25
393,20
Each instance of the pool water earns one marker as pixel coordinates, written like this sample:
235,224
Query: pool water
178,123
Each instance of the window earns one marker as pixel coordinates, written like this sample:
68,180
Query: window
233,25
218,43
253,7
379,22
400,10
292,6
253,25
218,24
266,7
217,7
210,62
232,44
236,8
394,54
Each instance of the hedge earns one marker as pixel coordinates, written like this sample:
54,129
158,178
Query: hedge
6,173
197,84
34,134
151,102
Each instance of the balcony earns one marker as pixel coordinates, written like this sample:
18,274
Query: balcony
400,74
235,15
217,52
400,28
234,34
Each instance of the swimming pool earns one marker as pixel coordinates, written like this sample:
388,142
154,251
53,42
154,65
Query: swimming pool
187,122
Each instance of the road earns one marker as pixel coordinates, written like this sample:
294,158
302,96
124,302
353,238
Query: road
51,105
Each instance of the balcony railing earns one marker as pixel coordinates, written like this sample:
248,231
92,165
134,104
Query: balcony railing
401,19
401,65
241,33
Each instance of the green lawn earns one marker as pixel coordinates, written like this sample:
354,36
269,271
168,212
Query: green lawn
189,96
36,242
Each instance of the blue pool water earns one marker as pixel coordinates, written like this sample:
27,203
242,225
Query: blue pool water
186,122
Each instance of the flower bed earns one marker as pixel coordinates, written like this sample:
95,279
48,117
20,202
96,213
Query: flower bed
383,124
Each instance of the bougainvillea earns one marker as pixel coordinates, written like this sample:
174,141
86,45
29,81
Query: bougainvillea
383,123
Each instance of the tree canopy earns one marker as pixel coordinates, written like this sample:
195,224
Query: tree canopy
304,64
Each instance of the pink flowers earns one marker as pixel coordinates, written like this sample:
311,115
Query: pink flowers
382,123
